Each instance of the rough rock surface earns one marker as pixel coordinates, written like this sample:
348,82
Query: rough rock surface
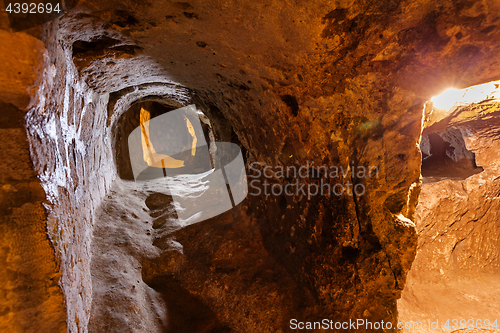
455,272
30,298
336,84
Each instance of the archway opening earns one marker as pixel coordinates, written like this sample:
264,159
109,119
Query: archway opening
445,156
138,115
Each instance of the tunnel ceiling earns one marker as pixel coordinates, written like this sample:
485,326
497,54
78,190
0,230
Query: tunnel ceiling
362,57
448,43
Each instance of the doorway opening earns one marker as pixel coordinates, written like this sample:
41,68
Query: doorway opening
445,156
457,263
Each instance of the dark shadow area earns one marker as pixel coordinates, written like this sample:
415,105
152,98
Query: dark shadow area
445,156
186,313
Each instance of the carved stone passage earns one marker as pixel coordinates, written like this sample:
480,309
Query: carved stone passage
456,267
30,298
310,87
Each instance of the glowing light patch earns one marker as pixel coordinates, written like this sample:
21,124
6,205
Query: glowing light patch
474,94
151,157
193,135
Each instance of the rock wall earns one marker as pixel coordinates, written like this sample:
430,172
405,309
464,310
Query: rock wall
456,266
30,297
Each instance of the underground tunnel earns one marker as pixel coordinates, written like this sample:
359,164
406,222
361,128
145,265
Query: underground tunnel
135,133
456,261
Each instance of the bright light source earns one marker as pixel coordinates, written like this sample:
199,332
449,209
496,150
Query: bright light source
447,99
474,94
